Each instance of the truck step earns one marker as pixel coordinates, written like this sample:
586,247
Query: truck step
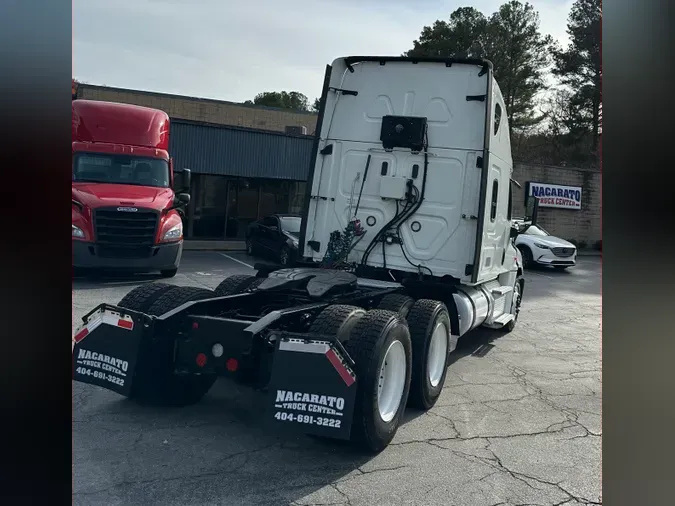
501,290
503,319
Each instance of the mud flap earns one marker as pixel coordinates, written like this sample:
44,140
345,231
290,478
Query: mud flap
312,387
106,348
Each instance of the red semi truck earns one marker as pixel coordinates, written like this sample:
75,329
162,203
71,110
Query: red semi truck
125,212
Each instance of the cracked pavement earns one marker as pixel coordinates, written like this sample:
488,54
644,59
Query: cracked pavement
518,422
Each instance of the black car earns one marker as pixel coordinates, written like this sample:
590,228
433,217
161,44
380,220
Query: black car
275,236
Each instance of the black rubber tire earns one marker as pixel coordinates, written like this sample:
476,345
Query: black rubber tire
398,303
337,320
422,319
168,273
527,257
509,327
179,295
369,341
142,297
238,283
155,382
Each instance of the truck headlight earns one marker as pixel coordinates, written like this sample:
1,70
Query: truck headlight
541,246
175,232
77,232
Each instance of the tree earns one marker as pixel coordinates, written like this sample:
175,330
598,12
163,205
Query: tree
293,100
316,105
510,39
580,68
467,29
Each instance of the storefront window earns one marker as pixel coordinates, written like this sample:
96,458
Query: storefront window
223,207
210,196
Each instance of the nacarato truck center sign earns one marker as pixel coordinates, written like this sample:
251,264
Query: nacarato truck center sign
554,195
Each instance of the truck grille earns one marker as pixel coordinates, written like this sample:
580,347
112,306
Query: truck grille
563,252
125,234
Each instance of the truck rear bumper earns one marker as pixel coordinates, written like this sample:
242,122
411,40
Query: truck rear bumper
87,255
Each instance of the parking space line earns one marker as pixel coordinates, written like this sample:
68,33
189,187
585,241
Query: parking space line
236,260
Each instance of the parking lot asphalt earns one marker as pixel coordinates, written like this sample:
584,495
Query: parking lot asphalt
518,422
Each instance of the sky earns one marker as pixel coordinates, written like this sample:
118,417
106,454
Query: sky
232,50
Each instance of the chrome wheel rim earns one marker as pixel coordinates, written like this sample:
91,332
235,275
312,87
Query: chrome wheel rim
391,381
437,354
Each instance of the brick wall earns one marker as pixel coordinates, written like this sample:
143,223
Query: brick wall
583,225
198,109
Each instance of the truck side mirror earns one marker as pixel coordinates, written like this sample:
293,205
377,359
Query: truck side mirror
182,180
532,210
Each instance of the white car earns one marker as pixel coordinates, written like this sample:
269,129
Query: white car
537,246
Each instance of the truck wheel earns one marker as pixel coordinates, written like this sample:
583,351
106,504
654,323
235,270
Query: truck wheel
155,382
527,256
168,273
397,303
381,349
238,283
516,301
429,324
142,297
337,320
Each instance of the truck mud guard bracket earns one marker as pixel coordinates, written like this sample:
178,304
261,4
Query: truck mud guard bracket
312,387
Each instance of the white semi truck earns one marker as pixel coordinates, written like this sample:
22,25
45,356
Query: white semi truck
406,244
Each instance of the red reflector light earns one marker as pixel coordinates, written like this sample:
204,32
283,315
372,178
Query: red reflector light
201,360
232,364
125,324
81,334
195,325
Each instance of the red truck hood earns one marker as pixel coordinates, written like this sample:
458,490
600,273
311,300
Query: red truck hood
103,194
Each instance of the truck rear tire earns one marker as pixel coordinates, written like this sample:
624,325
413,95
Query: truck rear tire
381,348
155,382
398,303
142,297
238,283
429,323
338,320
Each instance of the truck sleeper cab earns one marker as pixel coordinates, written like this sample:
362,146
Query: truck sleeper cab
407,244
124,209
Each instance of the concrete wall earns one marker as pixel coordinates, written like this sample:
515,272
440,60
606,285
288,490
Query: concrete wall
583,225
199,109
